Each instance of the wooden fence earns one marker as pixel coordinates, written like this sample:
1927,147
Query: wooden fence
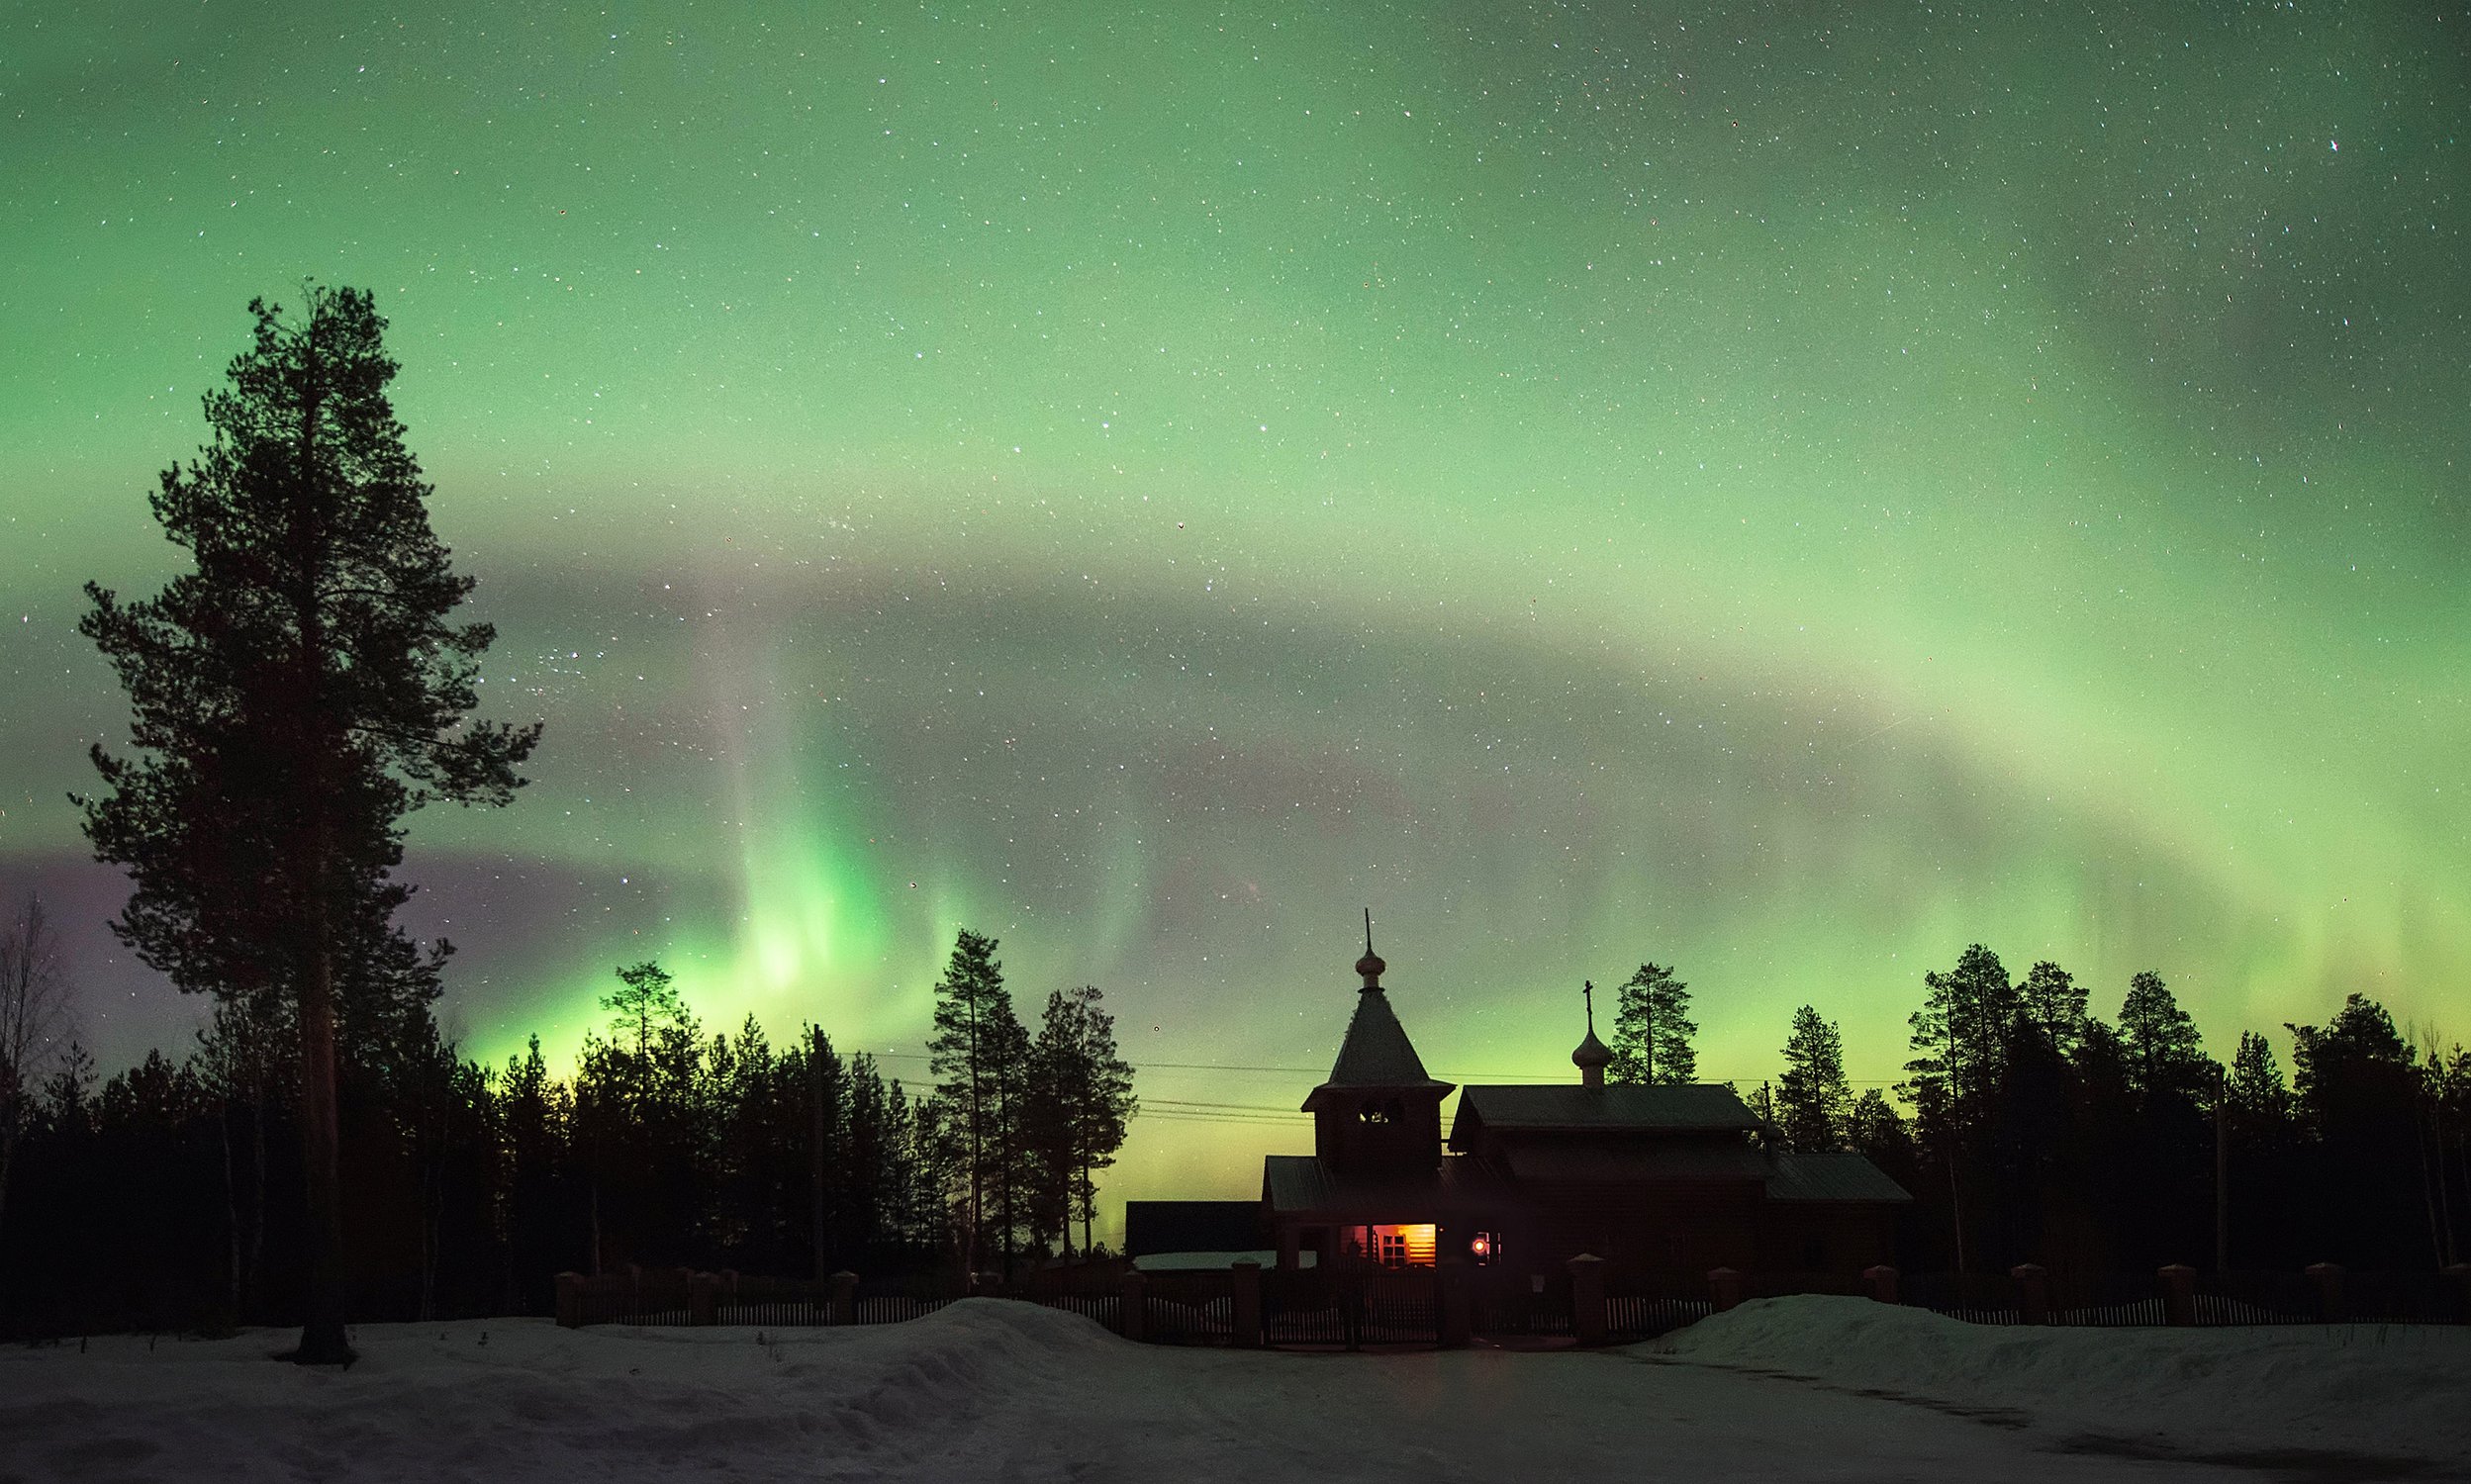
1585,1303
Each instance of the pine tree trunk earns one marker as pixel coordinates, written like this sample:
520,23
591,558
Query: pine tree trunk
1088,1210
322,1340
978,1149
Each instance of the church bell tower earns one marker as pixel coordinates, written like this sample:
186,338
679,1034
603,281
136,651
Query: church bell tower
1378,1114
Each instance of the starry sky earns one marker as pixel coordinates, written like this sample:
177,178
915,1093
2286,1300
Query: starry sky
1785,489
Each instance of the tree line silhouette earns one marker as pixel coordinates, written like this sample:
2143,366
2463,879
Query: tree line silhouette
169,1195
2033,1129
2039,1132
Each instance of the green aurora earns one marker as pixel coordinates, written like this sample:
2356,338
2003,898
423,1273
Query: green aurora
1785,489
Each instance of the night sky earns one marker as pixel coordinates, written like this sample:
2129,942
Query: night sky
1786,490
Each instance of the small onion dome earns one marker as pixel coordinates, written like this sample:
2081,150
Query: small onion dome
1371,965
1591,1054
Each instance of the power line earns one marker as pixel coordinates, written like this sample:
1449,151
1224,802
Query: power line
1524,1078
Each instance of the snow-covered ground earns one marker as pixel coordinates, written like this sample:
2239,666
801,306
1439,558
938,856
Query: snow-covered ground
1788,1390
2397,1391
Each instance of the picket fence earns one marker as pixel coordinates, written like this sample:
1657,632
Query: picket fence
1585,1303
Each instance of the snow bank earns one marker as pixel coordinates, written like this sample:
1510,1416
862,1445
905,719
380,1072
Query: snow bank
490,1399
2377,1390
986,1389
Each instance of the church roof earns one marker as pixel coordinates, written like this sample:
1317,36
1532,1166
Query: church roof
1828,1177
1592,1162
1376,1055
1307,1183
1562,1108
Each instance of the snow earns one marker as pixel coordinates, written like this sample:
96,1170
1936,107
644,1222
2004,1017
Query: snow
984,1389
2399,1390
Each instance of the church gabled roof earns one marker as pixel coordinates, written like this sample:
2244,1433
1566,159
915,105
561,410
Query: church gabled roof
1292,1183
1830,1177
1559,1108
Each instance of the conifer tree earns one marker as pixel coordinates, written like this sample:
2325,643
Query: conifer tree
980,1051
2165,1055
1960,1037
2055,1003
1814,1102
2259,1098
295,696
644,1009
1080,1104
1651,1030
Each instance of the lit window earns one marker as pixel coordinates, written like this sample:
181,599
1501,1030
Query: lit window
1403,1245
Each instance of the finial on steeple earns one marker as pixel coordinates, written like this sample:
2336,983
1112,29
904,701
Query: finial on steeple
1592,1056
1371,965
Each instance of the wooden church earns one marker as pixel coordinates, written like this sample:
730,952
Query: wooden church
1652,1178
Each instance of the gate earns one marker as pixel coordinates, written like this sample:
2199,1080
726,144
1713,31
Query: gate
1509,1305
1351,1307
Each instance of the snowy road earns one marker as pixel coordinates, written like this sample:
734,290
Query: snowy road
1001,1391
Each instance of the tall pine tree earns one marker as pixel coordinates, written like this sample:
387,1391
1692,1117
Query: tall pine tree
2165,1055
980,1051
295,696
1651,1030
1080,1105
1814,1102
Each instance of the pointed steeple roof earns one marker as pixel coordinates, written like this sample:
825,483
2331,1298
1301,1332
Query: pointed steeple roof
1376,1055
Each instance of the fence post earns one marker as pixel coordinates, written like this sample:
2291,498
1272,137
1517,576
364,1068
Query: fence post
1723,1288
1882,1281
1248,1304
2179,1293
1587,1298
1131,1317
702,1298
2328,1276
844,1297
570,1301
1457,1313
2458,1277
2033,1292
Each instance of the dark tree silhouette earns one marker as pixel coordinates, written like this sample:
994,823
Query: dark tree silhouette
980,1051
33,1024
294,698
1814,1103
1079,1106
2165,1055
1651,1029
2054,1002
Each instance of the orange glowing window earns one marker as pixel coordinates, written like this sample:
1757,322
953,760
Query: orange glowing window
1404,1246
